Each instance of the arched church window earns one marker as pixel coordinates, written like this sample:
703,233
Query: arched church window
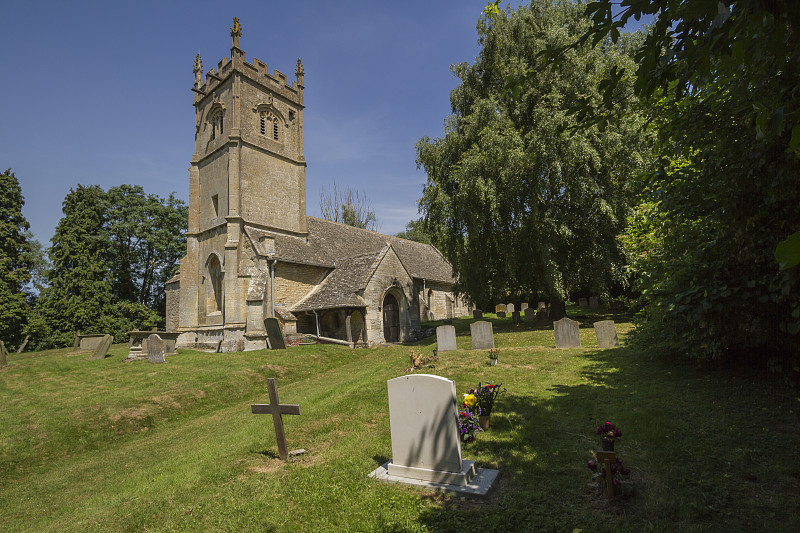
275,129
215,277
216,123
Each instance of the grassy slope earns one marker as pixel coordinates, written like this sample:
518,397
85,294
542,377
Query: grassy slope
101,445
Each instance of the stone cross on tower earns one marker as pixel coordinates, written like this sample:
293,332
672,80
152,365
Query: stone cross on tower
236,32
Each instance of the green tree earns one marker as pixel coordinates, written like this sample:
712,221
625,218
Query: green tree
518,198
146,242
349,207
15,261
415,231
722,79
79,296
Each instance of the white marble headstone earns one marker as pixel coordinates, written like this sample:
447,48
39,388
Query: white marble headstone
423,417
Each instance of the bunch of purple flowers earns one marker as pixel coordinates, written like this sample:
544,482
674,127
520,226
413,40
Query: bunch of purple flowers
486,395
468,425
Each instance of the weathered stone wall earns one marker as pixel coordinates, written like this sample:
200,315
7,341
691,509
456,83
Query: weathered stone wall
294,281
173,298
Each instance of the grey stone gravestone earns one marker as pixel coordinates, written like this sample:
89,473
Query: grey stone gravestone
102,349
426,442
594,303
530,313
155,349
274,334
523,306
477,313
482,335
3,356
510,308
500,307
515,317
606,333
446,338
566,333
583,302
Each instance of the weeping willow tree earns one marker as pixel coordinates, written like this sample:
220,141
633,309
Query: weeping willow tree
519,198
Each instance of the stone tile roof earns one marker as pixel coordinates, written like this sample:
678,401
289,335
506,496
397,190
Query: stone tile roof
340,241
341,286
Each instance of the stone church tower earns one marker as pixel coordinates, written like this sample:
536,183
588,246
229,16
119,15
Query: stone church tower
248,168
253,253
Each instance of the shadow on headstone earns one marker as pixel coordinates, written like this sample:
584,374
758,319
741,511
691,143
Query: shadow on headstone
274,334
426,442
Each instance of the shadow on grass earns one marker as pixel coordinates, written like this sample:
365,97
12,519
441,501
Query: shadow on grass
705,448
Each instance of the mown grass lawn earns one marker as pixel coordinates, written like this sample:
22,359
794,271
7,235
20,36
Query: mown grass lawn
111,446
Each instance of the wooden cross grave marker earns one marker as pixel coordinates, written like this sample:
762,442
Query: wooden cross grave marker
607,458
276,410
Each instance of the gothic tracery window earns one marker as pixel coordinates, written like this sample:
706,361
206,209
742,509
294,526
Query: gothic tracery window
215,119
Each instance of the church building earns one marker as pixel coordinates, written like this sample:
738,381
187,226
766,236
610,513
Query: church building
253,253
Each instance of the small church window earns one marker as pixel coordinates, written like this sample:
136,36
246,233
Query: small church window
216,124
275,129
215,205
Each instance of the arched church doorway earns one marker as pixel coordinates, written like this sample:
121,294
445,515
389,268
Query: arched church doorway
391,319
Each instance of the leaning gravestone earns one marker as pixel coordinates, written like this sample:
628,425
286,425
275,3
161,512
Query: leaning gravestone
477,313
583,302
593,302
482,335
102,349
606,333
515,317
155,349
274,334
3,360
566,333
510,308
500,308
426,442
446,338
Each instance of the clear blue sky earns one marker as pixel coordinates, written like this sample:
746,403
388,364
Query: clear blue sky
99,92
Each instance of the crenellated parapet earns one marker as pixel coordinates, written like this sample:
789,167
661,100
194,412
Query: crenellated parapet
254,70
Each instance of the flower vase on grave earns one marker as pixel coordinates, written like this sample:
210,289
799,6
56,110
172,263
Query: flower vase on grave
483,421
492,362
